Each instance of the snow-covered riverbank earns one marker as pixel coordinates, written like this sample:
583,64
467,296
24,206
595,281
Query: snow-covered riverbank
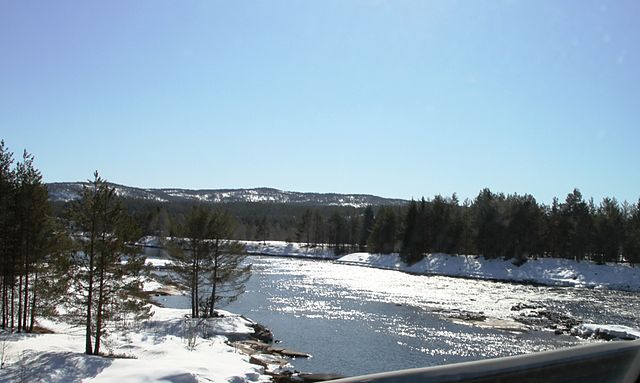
156,254
154,351
545,271
288,249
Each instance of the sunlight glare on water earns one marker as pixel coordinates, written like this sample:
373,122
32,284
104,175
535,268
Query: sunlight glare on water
356,320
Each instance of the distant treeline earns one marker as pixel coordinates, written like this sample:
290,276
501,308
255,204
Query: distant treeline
513,226
253,220
492,224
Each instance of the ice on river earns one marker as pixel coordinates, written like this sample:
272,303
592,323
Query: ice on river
604,331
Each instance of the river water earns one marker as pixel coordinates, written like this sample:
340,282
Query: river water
357,320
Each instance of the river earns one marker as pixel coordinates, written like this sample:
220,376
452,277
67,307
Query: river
357,320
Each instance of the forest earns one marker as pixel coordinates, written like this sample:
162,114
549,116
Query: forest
492,224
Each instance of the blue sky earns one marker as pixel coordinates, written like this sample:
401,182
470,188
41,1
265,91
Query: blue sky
394,98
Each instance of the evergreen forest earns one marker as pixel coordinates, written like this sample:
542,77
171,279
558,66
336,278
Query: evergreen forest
492,225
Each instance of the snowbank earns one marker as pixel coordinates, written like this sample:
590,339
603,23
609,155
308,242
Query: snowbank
158,351
288,249
158,262
149,241
157,256
546,271
608,332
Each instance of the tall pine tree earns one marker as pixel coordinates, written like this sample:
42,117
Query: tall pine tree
108,271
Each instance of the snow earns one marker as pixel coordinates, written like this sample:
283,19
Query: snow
288,249
606,331
149,241
546,271
159,348
158,262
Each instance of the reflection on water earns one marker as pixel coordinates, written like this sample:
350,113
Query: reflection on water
356,320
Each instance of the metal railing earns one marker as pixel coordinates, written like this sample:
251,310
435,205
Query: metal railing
617,361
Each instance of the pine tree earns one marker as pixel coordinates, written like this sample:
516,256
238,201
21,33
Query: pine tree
609,230
354,230
207,263
227,271
383,235
366,227
444,227
189,255
263,229
632,234
488,224
523,227
579,225
337,228
557,228
33,217
466,245
303,229
7,234
410,248
318,228
108,270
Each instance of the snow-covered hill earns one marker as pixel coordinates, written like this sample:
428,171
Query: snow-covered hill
67,191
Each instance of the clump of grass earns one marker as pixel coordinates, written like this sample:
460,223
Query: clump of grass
113,355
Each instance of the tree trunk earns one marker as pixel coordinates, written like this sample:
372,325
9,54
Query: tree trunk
20,303
26,289
193,289
12,303
214,282
196,277
197,292
4,302
99,311
33,303
88,349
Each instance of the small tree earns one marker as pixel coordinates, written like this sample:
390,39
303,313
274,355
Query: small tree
227,273
207,263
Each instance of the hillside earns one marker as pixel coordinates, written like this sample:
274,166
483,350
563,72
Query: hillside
67,191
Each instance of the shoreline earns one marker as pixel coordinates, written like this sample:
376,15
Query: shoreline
550,272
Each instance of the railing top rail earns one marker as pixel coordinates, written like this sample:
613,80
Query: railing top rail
602,362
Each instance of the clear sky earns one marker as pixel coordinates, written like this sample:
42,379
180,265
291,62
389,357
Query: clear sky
394,98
